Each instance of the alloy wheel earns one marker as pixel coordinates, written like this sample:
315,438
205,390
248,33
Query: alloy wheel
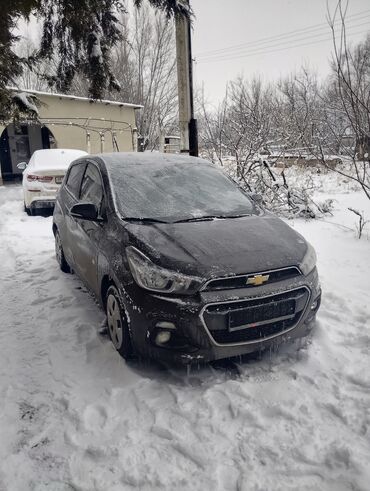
115,323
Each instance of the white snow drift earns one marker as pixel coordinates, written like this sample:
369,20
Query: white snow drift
74,416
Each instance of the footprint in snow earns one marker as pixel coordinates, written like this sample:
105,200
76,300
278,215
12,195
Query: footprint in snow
35,270
27,411
39,301
95,417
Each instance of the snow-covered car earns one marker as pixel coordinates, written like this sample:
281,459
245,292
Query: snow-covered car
187,265
43,176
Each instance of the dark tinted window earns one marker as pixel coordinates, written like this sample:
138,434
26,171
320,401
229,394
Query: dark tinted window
172,190
74,178
92,189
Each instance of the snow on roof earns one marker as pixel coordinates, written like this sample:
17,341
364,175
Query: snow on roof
77,98
56,157
157,158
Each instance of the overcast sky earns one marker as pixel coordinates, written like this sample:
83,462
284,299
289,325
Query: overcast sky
249,37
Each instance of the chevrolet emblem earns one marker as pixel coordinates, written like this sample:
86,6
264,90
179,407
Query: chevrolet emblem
258,279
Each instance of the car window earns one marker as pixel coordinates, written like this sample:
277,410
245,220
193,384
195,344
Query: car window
92,188
74,178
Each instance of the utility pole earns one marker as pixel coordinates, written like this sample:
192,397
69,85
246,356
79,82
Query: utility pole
187,122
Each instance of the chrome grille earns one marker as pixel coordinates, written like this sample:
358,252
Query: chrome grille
256,319
241,281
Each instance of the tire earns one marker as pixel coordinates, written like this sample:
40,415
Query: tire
27,210
117,323
59,254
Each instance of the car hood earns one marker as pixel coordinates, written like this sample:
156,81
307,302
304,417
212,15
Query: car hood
221,247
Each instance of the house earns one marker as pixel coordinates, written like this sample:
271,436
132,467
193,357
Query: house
67,121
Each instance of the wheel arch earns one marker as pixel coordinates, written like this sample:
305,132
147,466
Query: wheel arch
106,282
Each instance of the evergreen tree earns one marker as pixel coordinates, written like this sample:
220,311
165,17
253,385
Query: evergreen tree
78,34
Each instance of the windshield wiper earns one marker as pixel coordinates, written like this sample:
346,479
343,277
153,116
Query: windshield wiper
144,220
210,217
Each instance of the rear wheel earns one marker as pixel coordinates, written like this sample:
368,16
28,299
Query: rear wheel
59,254
117,323
27,210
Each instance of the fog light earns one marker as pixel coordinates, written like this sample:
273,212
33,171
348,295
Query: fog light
314,305
162,337
165,325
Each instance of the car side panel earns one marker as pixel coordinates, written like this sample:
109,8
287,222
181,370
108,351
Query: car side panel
63,221
87,238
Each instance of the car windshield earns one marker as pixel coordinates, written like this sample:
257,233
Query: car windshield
174,191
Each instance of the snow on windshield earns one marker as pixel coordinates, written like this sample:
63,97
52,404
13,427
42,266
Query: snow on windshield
174,188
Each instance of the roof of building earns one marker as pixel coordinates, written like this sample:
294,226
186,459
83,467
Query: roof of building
78,98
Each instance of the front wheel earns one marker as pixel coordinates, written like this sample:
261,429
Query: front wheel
117,323
59,254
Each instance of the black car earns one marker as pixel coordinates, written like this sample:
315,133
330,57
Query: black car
187,265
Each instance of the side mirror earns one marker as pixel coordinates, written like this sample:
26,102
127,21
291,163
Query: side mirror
22,165
86,211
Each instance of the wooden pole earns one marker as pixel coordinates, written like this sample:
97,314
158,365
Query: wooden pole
187,122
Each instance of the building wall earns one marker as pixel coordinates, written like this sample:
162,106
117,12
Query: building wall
74,137
59,115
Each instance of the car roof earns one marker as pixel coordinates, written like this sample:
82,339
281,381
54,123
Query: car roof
145,158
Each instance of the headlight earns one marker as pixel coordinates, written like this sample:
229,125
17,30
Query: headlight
309,260
152,277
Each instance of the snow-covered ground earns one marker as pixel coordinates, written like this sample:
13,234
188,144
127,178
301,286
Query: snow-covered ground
74,416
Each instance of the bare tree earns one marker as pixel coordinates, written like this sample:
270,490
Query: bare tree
250,116
345,123
144,64
33,76
299,108
212,123
361,221
328,123
240,126
254,120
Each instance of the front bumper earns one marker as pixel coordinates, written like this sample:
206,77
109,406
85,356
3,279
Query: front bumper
198,338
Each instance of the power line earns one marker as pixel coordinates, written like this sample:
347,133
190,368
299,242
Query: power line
264,51
272,39
280,36
274,45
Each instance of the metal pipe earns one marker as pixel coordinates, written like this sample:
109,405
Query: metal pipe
88,142
102,140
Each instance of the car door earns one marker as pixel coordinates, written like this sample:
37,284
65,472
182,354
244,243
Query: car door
88,233
69,196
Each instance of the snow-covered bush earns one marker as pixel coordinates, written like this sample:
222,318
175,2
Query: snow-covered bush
362,222
288,197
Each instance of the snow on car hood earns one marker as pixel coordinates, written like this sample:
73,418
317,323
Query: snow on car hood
221,246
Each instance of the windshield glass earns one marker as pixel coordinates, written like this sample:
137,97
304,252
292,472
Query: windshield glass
173,191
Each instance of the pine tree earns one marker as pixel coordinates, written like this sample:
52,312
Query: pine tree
79,35
10,63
